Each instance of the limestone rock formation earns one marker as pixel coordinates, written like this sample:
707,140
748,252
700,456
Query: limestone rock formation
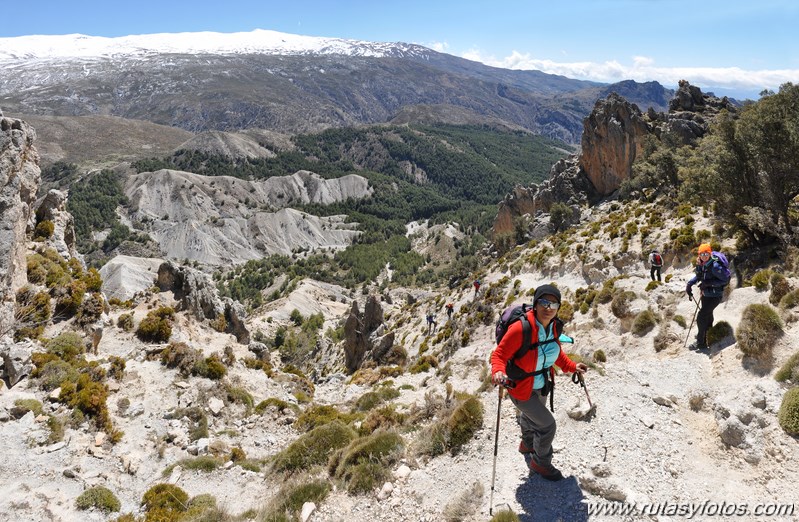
364,334
612,139
197,294
19,181
53,207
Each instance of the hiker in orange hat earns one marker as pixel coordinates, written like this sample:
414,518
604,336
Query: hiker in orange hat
712,272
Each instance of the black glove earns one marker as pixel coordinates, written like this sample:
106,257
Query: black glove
689,291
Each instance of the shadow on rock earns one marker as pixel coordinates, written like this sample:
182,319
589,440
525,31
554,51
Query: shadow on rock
548,501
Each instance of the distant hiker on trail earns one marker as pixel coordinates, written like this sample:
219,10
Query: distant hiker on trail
431,323
476,287
655,263
530,377
712,272
449,307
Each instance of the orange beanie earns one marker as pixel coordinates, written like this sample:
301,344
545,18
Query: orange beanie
705,247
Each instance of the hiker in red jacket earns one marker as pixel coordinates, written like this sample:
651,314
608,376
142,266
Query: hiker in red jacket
532,376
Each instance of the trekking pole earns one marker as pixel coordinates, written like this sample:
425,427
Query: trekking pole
496,446
687,335
577,378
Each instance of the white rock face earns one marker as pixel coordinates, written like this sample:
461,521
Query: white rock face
224,220
123,276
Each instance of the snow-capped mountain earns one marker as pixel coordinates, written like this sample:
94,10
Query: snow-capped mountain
287,83
259,41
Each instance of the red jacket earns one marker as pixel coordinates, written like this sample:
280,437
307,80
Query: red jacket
511,342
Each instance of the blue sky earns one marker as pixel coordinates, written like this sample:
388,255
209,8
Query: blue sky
743,46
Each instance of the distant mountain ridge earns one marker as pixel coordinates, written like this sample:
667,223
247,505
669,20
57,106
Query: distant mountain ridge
284,83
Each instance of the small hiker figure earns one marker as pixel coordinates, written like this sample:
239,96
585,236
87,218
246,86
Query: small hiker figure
431,323
532,377
655,263
476,287
449,307
712,272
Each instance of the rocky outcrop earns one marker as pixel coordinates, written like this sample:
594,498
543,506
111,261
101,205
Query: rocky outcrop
197,295
612,139
19,181
124,276
364,334
53,207
567,183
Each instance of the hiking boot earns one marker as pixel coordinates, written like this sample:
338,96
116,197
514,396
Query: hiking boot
548,471
524,449
696,347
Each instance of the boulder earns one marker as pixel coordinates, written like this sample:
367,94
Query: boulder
16,359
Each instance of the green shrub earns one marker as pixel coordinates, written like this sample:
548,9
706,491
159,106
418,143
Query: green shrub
204,463
376,397
566,311
239,395
181,356
210,368
313,448
424,363
620,304
789,412
44,229
279,404
464,423
288,501
382,418
644,322
761,279
652,285
98,497
365,460
789,370
680,320
779,288
156,327
67,346
125,322
790,300
198,429
26,405
759,328
718,332
51,373
166,497
505,516
318,414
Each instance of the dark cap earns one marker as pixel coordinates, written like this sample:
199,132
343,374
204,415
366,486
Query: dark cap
544,290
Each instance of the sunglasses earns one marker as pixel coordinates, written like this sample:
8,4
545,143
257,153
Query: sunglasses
548,305
704,254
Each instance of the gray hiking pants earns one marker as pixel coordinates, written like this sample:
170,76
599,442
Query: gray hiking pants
537,424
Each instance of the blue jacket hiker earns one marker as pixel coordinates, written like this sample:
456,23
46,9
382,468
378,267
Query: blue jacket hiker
712,274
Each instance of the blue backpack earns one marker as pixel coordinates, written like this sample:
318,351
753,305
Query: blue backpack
723,271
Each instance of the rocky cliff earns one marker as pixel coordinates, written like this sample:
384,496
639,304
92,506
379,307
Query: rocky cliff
19,181
612,139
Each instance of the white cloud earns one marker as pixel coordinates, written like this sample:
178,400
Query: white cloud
643,69
440,47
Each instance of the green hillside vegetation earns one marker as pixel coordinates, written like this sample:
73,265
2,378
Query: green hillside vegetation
745,170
